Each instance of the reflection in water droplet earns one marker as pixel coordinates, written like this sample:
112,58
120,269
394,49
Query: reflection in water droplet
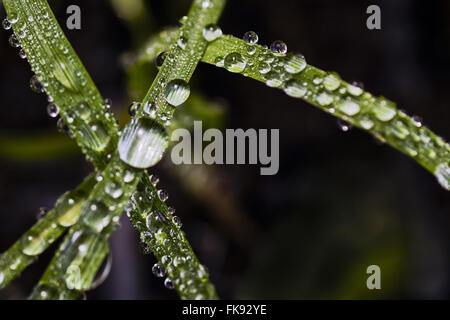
143,143
176,92
235,62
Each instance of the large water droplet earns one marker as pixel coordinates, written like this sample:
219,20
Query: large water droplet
235,62
133,108
384,112
250,37
34,245
161,58
332,81
278,48
158,270
6,24
13,41
295,89
52,110
176,92
349,107
273,79
324,99
169,284
212,32
143,143
442,173
295,63
96,215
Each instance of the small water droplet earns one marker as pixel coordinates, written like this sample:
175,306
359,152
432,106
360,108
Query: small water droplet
13,41
235,62
6,24
154,179
128,176
251,37
278,48
344,125
133,108
177,221
182,42
163,196
324,99
35,85
22,54
108,103
158,270
417,121
169,284
264,68
63,128
42,213
52,110
176,92
212,32
161,58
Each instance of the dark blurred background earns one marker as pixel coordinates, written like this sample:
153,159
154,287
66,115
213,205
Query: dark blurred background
340,202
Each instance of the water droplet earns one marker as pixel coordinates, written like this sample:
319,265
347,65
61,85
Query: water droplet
6,24
158,270
349,107
178,261
383,112
143,143
366,123
442,174
176,92
264,68
133,108
83,110
108,103
235,62
182,42
42,213
212,32
154,179
169,284
96,215
355,88
177,221
163,196
35,85
154,221
278,48
161,58
63,128
13,41
295,89
273,79
34,245
417,121
250,37
128,176
344,125
324,99
295,63
114,190
22,54
251,50
332,81
52,110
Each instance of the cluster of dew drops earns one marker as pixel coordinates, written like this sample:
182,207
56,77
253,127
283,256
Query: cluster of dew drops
158,269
